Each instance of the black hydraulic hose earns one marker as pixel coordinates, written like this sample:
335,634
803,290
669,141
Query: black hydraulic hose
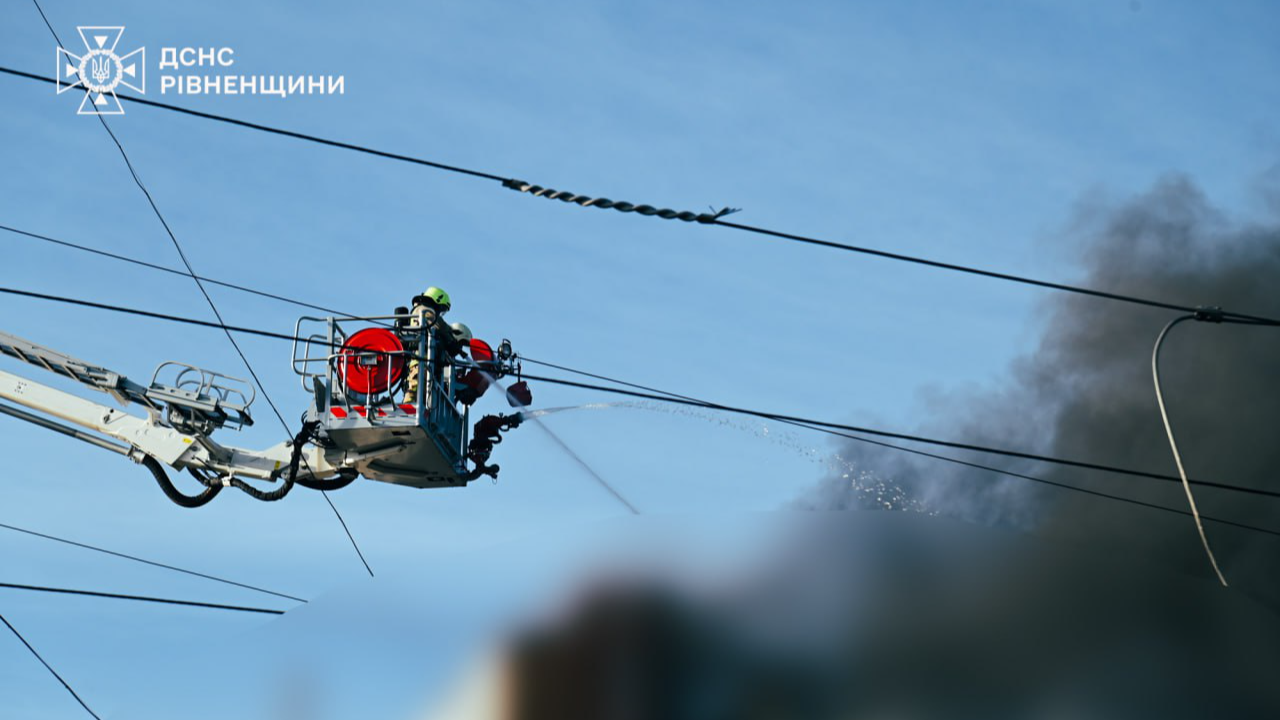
345,478
285,487
265,496
173,493
290,477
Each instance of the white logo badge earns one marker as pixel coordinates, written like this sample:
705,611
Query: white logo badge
100,70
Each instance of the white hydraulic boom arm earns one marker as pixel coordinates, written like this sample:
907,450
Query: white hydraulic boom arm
181,414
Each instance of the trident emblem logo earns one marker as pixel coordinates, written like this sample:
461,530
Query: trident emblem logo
99,71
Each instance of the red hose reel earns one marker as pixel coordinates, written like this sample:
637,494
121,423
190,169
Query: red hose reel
371,361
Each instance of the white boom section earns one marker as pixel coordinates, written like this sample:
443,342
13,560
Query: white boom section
164,444
197,401
146,437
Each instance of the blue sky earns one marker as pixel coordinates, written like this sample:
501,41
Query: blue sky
962,132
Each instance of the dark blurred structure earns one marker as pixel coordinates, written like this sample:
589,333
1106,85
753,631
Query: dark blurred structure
882,616
640,652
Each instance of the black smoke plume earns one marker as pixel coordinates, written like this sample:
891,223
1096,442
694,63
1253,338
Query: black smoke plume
1086,393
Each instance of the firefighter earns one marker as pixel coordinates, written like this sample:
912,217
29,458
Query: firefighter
471,382
428,311
462,338
433,299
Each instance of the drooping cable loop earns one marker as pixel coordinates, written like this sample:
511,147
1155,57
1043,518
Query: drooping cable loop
1173,444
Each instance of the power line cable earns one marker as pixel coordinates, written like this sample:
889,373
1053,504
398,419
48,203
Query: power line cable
711,218
49,667
1173,444
583,464
981,272
153,563
905,436
555,437
147,313
287,483
277,131
141,598
347,530
172,271
715,406
922,453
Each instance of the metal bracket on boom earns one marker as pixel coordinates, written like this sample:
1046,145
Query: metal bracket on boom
197,399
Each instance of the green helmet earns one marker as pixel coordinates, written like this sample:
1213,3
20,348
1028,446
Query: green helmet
438,296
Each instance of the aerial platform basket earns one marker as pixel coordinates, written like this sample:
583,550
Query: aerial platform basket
358,376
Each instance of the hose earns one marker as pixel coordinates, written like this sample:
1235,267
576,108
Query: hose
173,493
289,478
262,495
213,486
345,478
